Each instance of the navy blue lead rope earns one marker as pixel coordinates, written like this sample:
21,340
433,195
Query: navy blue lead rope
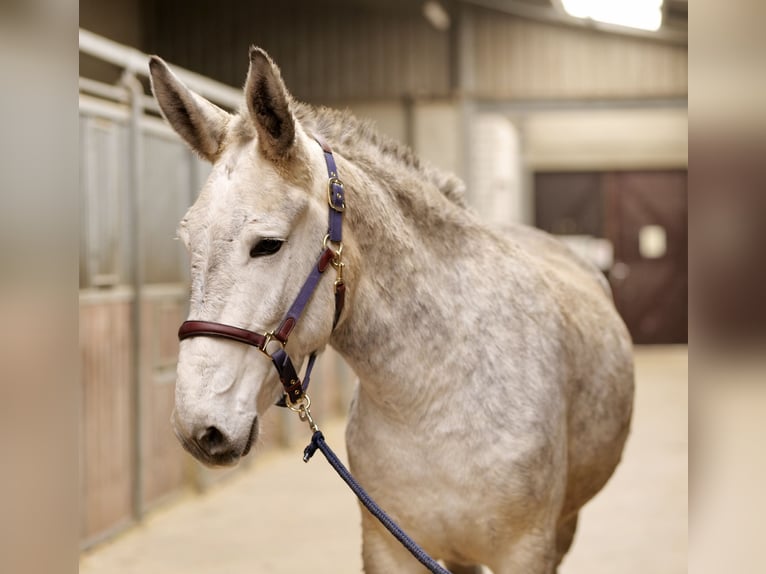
318,443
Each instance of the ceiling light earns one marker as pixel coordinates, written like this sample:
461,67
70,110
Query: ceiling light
641,14
435,13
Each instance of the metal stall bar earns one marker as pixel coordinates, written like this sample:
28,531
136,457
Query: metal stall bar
136,92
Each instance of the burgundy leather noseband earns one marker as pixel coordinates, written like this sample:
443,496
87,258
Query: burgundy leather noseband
294,389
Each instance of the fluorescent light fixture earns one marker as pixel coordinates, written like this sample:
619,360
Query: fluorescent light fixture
641,14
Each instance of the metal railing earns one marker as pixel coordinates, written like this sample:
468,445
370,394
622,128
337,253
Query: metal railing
136,63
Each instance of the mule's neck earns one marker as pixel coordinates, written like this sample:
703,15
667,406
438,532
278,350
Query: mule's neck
405,244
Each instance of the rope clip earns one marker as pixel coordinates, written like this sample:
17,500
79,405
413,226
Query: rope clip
302,407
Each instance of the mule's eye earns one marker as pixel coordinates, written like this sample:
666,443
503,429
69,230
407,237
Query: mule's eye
266,247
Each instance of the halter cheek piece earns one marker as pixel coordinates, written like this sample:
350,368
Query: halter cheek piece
294,390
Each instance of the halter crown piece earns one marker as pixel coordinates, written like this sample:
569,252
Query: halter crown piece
294,389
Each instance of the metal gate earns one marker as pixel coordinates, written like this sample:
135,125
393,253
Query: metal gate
136,181
133,296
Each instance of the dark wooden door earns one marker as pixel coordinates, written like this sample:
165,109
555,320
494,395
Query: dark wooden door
569,203
646,221
644,215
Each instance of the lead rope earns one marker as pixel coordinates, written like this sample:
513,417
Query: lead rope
318,443
302,407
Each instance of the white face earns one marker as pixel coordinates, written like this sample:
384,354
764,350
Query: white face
253,239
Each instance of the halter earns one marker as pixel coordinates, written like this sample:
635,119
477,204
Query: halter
294,390
295,396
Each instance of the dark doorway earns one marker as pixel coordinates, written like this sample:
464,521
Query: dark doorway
644,216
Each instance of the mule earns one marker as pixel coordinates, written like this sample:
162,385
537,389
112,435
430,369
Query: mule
495,376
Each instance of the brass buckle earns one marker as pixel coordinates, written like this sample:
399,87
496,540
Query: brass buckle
335,181
268,338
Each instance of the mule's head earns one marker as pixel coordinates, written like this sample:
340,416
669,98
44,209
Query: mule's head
253,236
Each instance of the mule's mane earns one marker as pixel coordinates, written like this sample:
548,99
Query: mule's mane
360,141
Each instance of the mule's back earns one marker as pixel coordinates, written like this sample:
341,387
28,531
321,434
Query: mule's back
556,254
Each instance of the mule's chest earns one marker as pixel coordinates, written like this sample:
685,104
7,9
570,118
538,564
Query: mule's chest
456,489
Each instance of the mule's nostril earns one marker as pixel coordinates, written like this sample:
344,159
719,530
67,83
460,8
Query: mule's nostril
213,447
211,439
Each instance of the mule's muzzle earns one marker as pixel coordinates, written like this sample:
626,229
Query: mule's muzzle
213,447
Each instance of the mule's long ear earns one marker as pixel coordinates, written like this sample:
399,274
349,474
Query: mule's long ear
269,104
201,123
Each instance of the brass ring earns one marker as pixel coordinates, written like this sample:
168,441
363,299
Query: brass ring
268,337
303,403
337,252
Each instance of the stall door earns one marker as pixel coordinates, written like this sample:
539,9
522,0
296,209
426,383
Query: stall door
646,220
643,214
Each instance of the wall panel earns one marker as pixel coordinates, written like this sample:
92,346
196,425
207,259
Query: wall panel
163,308
606,139
106,424
521,59
326,51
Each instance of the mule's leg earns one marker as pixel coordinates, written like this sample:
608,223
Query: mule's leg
533,553
384,554
461,569
564,536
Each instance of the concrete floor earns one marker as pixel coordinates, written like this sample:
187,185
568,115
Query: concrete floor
637,524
